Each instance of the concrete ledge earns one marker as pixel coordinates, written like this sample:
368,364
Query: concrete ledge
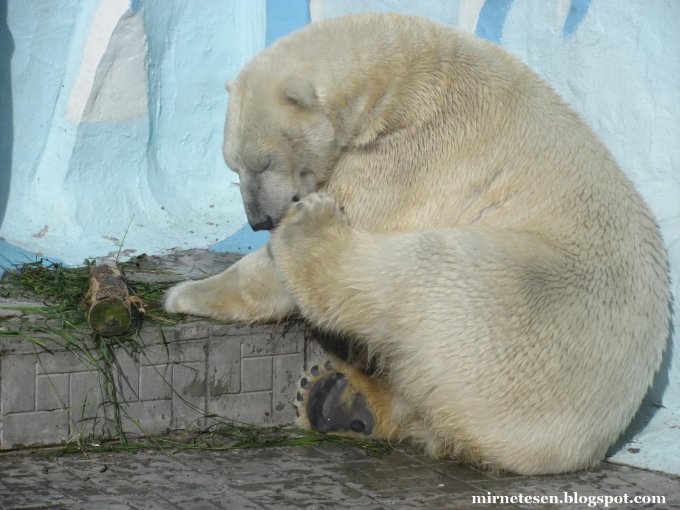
193,374
179,378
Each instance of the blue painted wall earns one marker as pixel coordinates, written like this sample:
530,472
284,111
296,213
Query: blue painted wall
282,19
161,173
285,17
72,187
492,18
6,109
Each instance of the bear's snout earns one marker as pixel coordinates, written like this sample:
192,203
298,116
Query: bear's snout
267,224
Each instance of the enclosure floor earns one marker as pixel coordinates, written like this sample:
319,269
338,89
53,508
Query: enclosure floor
296,477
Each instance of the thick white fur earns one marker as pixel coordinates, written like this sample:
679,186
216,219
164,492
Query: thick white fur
248,291
492,252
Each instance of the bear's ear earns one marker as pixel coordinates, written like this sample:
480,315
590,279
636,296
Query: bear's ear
300,92
229,85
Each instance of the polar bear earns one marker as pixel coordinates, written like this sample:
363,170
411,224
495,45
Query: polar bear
436,202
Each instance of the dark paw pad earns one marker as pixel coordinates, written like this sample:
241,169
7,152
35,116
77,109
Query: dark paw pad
328,412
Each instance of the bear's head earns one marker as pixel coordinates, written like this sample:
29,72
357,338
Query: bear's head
280,140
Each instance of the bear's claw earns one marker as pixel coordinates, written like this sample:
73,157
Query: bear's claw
325,401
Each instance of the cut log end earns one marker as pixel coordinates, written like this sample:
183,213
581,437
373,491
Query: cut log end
110,313
109,317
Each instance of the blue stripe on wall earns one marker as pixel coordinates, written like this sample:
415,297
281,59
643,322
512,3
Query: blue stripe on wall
491,20
284,17
11,255
244,240
577,12
6,109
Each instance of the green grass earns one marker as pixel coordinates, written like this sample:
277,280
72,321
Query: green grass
64,318
64,292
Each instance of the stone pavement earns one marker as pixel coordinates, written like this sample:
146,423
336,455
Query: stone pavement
281,478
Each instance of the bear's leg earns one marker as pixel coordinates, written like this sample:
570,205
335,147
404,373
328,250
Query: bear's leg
465,319
336,398
248,291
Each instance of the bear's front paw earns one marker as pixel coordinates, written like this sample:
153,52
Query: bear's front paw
178,298
313,221
319,209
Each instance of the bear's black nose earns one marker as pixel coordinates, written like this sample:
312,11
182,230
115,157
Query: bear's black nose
267,224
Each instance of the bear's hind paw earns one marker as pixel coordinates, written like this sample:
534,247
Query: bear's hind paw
327,401
336,398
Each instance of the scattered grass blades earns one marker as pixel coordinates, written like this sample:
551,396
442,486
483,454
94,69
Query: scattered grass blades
64,290
25,335
228,436
120,248
64,319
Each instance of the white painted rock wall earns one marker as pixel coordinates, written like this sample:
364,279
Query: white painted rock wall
117,110
118,119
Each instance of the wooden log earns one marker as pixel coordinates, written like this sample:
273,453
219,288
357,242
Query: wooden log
110,312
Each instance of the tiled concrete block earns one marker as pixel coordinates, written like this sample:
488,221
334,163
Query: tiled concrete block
224,366
156,336
25,429
220,330
244,407
279,340
61,362
188,351
256,374
243,330
286,373
127,376
96,426
257,344
52,392
86,411
155,355
247,373
189,398
313,351
155,382
85,388
289,339
151,417
192,331
18,383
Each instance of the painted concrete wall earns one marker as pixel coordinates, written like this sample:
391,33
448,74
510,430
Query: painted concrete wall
111,118
117,115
